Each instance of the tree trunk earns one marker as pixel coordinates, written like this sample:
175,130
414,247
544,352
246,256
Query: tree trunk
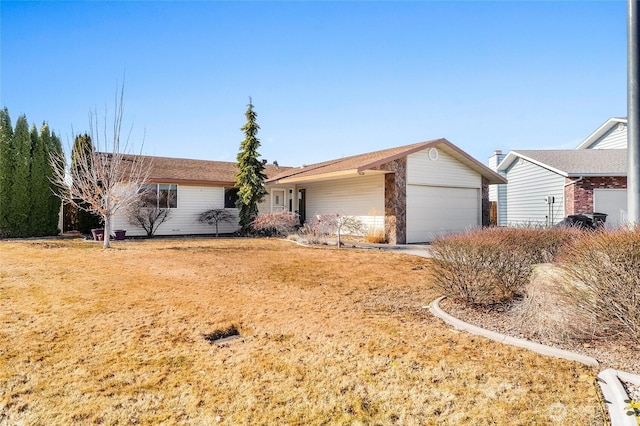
107,231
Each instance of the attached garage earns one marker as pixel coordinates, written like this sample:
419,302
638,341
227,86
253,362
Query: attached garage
613,202
414,192
444,195
433,211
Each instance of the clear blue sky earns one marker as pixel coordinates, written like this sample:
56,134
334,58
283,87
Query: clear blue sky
328,79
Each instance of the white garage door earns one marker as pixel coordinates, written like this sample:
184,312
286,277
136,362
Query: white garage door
613,202
434,211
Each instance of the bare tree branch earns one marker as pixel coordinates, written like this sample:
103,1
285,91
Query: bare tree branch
106,180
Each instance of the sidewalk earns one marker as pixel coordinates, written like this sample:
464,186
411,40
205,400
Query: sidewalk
422,250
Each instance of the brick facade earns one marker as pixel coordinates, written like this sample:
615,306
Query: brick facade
578,193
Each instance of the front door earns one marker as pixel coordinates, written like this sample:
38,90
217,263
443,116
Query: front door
302,205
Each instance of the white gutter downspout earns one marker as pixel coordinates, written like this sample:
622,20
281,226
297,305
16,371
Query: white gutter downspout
574,182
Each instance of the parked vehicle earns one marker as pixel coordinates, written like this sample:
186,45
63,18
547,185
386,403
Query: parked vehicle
584,221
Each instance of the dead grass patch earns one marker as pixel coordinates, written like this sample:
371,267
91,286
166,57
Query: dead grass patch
98,336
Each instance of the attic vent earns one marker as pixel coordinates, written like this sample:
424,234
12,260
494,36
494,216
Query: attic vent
620,126
433,154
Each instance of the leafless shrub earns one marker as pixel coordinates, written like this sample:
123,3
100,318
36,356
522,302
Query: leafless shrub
322,226
216,217
493,265
314,232
276,223
548,310
146,214
605,266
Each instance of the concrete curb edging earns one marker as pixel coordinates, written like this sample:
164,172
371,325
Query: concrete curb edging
608,380
615,395
435,309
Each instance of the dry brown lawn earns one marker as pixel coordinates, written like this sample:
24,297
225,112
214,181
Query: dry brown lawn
93,336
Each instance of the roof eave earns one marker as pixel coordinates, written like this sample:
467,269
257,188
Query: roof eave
513,155
191,181
579,175
323,176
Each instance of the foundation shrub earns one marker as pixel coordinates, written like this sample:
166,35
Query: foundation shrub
322,226
493,265
547,310
605,270
318,229
375,235
375,232
276,223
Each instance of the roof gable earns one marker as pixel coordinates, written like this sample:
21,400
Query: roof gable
360,164
605,128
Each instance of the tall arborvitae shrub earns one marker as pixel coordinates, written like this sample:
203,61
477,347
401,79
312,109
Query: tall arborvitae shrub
6,170
54,147
83,148
20,204
38,186
250,175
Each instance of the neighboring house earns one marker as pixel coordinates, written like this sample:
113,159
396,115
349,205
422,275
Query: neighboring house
414,192
547,185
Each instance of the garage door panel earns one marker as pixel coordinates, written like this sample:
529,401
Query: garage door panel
434,211
612,202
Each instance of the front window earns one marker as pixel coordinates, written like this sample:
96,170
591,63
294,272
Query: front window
230,198
161,195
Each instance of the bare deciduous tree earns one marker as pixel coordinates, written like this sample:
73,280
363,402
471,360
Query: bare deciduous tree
215,217
103,182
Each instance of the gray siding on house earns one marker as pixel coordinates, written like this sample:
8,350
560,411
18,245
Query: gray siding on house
615,138
528,186
498,193
501,194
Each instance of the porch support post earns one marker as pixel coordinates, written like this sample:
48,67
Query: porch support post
395,201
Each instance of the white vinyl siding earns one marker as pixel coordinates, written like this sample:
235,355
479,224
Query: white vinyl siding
362,197
183,220
434,211
612,202
616,138
528,186
444,171
442,196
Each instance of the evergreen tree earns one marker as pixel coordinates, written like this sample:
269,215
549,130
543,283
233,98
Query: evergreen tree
83,149
51,211
6,170
250,175
20,204
38,186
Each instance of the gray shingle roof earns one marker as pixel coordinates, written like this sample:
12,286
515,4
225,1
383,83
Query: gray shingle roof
580,162
182,170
